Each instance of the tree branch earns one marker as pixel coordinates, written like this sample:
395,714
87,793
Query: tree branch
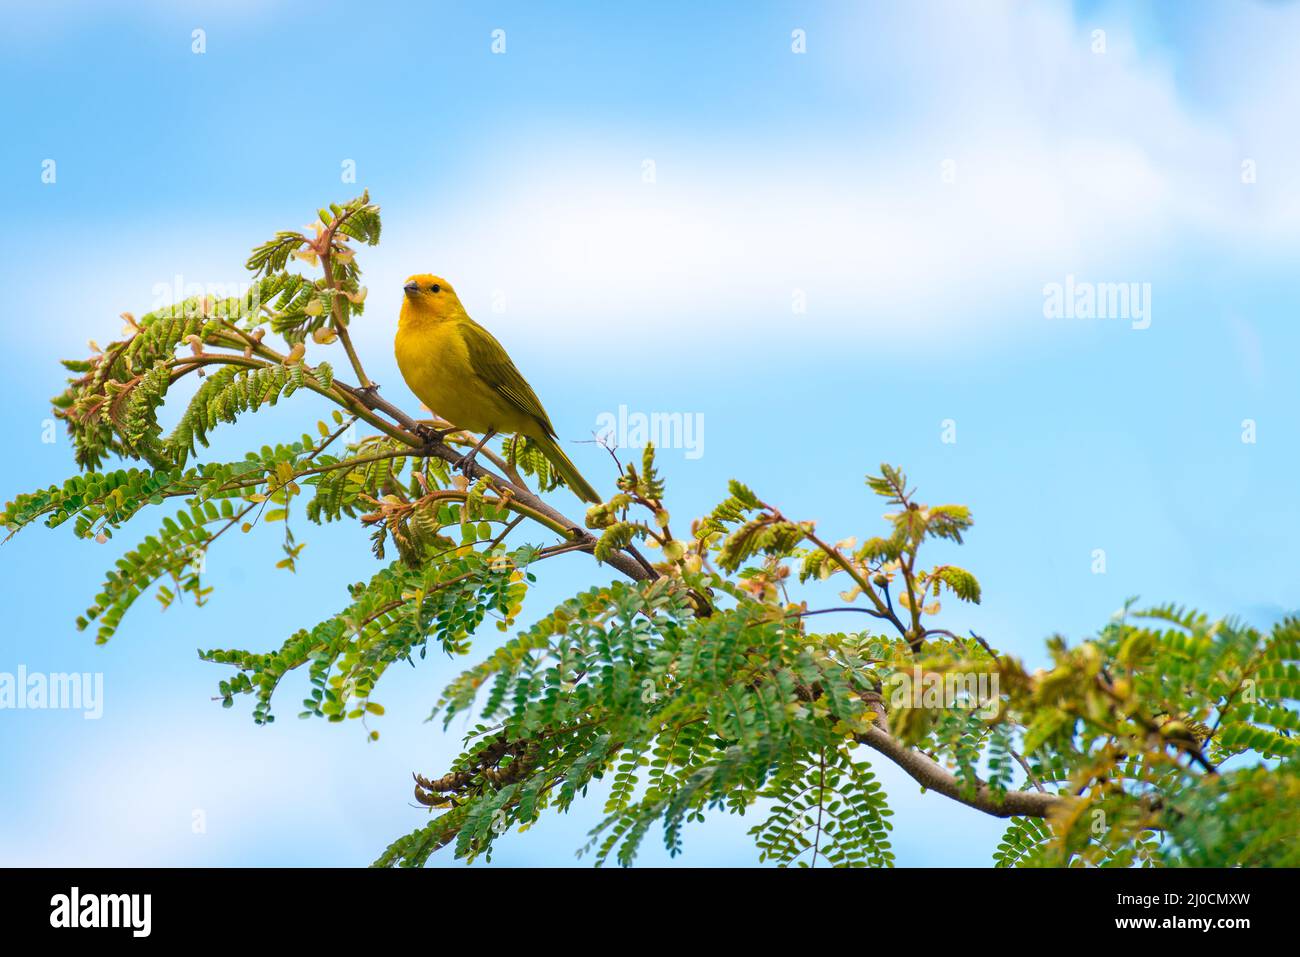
582,539
934,777
366,402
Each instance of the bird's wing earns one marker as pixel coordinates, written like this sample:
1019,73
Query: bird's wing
493,365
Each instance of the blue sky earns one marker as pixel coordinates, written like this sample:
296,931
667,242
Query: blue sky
916,178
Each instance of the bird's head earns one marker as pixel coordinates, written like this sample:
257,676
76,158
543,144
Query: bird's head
430,296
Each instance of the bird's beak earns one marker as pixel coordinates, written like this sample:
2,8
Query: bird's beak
412,288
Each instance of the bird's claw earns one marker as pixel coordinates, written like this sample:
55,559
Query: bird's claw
465,461
429,434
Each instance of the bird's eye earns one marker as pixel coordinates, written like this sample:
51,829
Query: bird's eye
435,288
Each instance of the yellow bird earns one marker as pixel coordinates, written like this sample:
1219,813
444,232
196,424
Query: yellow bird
459,370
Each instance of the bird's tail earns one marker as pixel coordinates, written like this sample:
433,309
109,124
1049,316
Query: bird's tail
566,469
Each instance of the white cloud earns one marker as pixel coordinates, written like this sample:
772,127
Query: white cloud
1066,161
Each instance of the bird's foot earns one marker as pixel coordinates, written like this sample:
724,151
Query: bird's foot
463,463
369,389
429,434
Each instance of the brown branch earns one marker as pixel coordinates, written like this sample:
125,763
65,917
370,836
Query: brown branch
622,561
365,402
324,246
934,777
1029,772
885,611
